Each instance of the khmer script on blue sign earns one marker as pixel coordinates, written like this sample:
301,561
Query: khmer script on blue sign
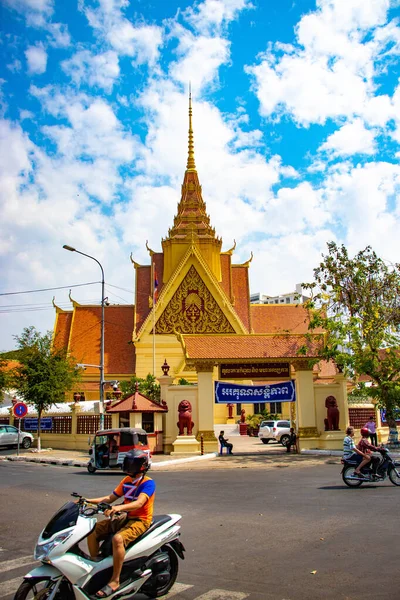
232,393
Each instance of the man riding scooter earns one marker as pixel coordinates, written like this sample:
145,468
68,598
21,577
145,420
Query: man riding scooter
136,515
367,448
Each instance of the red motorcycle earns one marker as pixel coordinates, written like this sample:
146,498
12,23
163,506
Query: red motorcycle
387,467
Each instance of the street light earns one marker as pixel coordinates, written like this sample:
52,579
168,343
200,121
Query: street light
101,366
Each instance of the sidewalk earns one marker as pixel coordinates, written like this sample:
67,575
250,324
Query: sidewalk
244,447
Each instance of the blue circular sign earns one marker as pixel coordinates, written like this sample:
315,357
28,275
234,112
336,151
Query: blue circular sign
20,410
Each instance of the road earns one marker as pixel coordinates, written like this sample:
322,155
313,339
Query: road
293,533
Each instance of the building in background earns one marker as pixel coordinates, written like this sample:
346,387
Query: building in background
296,297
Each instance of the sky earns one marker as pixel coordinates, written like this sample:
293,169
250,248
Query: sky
296,116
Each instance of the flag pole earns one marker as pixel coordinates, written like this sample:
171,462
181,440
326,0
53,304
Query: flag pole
154,317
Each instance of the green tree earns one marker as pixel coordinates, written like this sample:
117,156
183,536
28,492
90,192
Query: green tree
4,378
357,302
147,386
45,373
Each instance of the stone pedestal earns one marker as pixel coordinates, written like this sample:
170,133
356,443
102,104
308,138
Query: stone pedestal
243,428
230,421
185,444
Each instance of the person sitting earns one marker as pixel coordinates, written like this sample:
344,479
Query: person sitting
352,453
224,442
367,448
292,440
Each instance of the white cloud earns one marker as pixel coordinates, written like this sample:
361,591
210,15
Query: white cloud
211,16
37,6
97,70
142,42
329,73
36,57
352,138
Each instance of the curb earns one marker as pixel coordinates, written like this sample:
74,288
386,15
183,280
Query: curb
72,463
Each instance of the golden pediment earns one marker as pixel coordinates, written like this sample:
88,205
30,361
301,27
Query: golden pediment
193,309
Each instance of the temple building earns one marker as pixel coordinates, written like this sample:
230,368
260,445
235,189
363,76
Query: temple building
192,308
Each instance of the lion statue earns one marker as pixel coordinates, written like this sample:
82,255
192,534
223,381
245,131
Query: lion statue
185,417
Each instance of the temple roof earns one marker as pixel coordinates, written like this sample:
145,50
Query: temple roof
225,347
280,318
79,331
191,219
136,403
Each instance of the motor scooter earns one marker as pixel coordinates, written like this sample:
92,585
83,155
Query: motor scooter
387,467
68,573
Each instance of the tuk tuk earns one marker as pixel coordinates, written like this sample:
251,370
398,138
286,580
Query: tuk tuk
110,446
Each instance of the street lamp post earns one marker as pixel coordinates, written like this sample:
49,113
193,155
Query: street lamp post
101,366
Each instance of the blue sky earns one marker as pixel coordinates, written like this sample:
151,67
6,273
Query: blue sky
297,137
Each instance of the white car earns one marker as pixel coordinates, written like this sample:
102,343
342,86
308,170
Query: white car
9,437
279,431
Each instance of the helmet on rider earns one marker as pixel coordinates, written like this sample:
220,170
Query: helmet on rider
365,432
135,462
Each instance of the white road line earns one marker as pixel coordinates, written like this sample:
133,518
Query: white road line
222,595
177,589
9,565
10,587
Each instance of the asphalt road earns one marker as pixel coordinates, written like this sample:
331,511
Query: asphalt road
255,533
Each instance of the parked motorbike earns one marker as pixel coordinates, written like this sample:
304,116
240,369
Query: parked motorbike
387,467
68,573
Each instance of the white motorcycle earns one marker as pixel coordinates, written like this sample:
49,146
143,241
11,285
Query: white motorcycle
68,573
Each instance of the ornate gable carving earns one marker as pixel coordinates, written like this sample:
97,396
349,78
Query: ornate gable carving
193,309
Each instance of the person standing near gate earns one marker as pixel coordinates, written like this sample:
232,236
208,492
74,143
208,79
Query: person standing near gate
371,426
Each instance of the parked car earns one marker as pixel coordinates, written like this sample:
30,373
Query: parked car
278,431
9,437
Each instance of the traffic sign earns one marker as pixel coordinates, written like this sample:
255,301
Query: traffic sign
20,410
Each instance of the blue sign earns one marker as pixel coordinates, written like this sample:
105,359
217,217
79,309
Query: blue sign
46,423
396,414
231,393
20,409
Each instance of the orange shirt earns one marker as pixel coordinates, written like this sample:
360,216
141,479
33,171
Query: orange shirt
130,489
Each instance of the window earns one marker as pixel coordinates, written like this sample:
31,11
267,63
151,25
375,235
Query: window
148,422
288,300
259,408
238,409
282,299
275,407
283,424
11,429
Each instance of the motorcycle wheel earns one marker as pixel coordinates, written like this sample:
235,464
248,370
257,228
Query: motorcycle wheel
162,590
348,472
91,469
394,478
40,589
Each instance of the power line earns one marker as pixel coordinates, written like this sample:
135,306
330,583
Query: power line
62,287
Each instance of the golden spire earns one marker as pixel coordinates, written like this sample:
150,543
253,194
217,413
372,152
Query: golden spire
191,166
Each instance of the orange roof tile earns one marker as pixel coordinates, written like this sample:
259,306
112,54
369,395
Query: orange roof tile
223,347
241,294
143,293
276,318
226,274
119,352
63,329
136,403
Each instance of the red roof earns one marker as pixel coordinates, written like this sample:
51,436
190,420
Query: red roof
276,318
222,347
136,403
84,337
241,294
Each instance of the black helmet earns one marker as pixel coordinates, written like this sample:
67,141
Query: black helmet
136,461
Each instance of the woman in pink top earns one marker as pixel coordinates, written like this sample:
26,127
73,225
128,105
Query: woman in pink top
372,430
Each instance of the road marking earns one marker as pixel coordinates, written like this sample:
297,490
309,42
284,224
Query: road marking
222,595
177,589
9,565
10,587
